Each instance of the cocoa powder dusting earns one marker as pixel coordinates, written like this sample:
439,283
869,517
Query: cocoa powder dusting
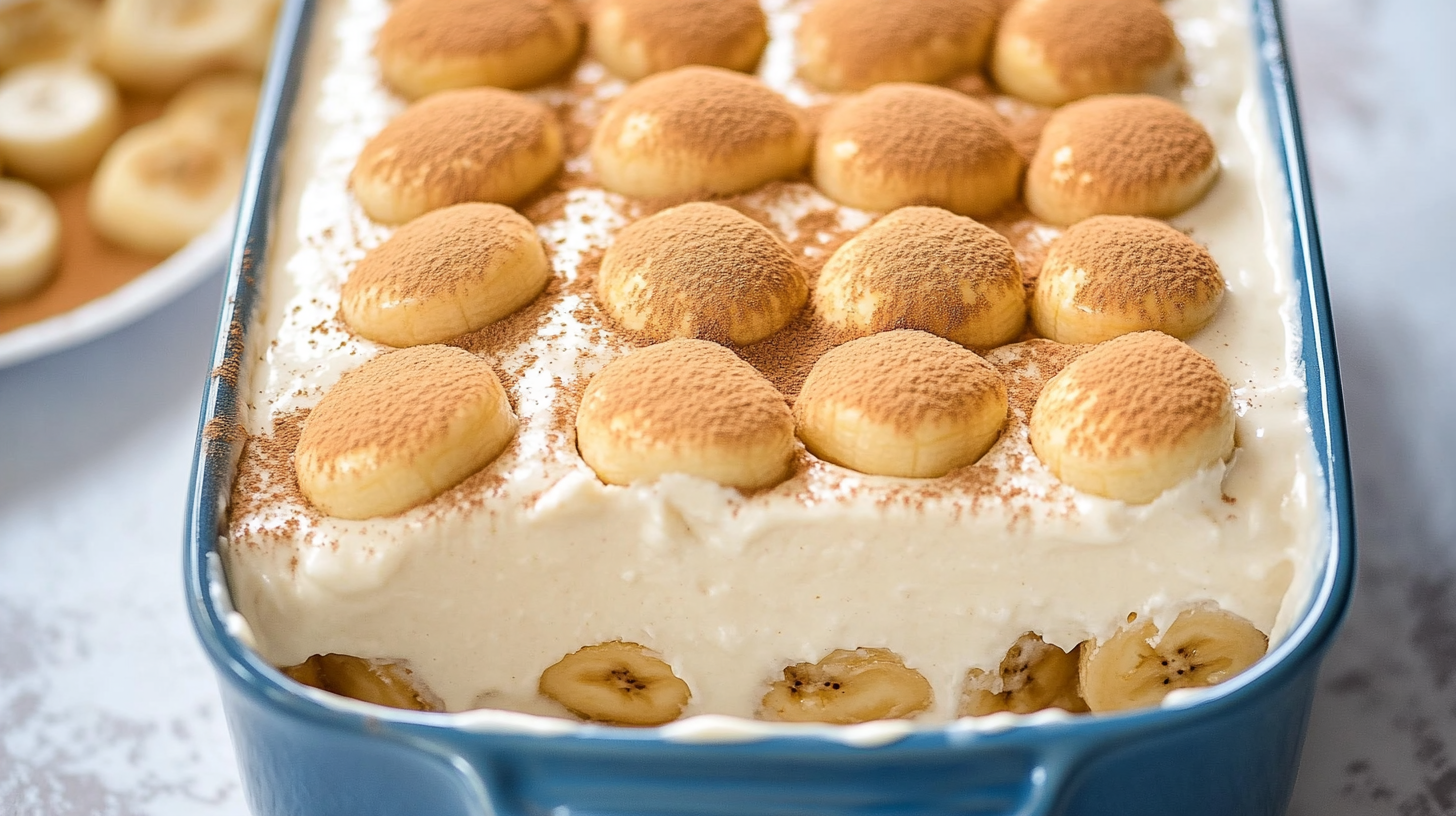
1128,262
1124,144
426,29
859,37
1102,41
909,129
266,477
688,32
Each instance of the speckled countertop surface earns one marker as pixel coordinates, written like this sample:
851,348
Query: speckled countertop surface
108,708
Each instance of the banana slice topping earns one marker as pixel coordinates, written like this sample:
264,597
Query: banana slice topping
619,683
1052,52
221,105
434,45
899,144
925,268
685,406
901,403
635,38
1034,675
701,270
849,45
448,272
156,46
30,239
1112,275
698,131
46,30
382,682
848,687
1134,417
400,430
1120,155
1137,667
56,119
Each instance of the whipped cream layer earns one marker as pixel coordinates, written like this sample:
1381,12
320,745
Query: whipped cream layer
484,587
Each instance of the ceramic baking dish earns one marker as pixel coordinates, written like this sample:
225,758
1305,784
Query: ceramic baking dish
1231,750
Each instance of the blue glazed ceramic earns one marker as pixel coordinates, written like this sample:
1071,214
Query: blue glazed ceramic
1232,750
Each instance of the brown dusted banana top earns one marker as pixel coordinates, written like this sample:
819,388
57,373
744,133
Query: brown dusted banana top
849,45
635,38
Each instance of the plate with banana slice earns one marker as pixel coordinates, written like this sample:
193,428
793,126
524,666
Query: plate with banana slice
123,134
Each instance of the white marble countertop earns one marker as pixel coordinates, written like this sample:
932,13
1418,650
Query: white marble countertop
107,707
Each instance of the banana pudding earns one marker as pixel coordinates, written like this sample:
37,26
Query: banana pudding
615,398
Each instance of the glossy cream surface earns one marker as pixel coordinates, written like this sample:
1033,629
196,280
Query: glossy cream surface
486,586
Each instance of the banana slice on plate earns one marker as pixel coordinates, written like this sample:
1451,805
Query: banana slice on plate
45,30
30,239
635,38
619,683
848,687
1034,675
848,45
56,119
220,104
1138,666
382,682
155,46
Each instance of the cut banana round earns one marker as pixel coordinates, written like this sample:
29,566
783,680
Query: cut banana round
901,403
30,239
448,272
160,186
698,131
400,430
618,683
156,46
1134,417
56,119
1034,675
685,406
852,44
848,687
925,268
1136,668
382,682
222,105
476,144
1119,155
635,38
46,30
434,45
1052,52
1114,274
701,270
899,144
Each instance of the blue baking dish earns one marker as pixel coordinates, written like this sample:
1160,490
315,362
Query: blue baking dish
1232,750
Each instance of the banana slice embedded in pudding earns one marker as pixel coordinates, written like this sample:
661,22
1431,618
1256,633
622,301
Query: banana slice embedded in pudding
899,144
1203,646
1052,52
56,119
219,104
926,268
635,38
476,144
618,683
400,430
30,239
1134,417
1113,274
434,45
698,131
448,272
848,687
701,270
155,46
382,682
1120,155
1034,675
46,30
849,45
901,403
685,406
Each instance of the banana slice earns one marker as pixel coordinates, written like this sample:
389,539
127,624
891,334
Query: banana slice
1052,52
701,270
222,105
400,430
1112,275
635,38
685,406
30,239
1034,675
901,403
1133,417
446,273
476,144
619,683
46,30
925,268
434,45
56,119
160,186
1136,668
848,687
849,45
698,131
1119,155
382,682
899,144
156,46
